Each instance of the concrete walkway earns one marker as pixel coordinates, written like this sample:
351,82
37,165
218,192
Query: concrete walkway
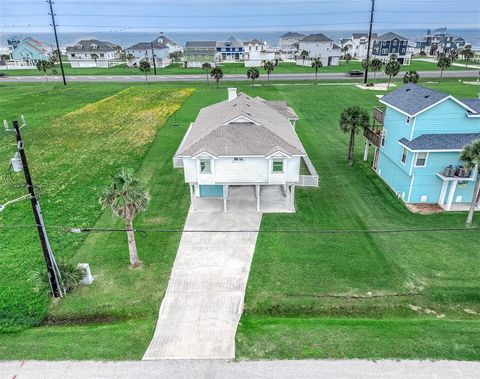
203,303
384,369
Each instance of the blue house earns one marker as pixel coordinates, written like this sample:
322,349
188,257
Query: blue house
30,51
417,154
230,50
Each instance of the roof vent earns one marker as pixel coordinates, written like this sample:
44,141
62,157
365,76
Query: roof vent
408,89
426,96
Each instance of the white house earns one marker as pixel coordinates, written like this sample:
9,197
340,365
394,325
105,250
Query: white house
357,44
244,144
319,46
160,47
93,53
288,44
256,53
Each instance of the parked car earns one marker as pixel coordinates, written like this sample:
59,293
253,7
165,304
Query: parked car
3,75
355,73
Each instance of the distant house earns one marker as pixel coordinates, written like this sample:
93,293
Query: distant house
12,43
319,46
288,44
391,43
438,43
256,53
229,50
93,53
200,52
244,145
417,152
28,52
160,47
357,44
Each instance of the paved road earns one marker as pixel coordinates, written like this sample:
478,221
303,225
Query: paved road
227,77
358,369
203,303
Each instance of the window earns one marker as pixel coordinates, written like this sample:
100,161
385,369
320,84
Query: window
384,137
407,120
384,51
404,155
237,159
205,166
277,165
421,160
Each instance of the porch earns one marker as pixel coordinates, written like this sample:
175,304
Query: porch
247,198
448,199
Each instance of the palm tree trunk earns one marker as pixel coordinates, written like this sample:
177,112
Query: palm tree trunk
146,79
441,72
352,146
316,74
132,245
389,79
474,200
207,78
46,77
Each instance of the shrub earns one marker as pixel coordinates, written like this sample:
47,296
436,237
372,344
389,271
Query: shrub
71,276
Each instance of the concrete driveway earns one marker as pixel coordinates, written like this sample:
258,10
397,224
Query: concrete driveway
203,303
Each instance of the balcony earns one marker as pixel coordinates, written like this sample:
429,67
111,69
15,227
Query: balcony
378,114
308,174
374,137
459,173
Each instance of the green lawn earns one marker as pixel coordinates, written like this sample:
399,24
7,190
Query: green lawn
309,295
228,68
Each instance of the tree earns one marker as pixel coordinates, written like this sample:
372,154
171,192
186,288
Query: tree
126,198
217,74
352,120
467,54
44,66
4,57
129,57
145,68
411,77
392,68
443,63
365,64
471,156
316,64
269,66
347,57
304,55
207,67
423,53
175,55
253,73
453,54
375,65
95,58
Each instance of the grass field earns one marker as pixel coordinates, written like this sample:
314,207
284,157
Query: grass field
309,295
228,68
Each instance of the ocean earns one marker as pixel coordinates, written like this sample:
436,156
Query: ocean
126,39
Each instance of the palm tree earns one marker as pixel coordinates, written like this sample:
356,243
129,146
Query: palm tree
129,57
453,54
347,57
443,63
411,77
253,73
375,65
94,57
44,66
207,67
467,54
471,156
351,120
269,66
392,68
217,74
316,64
145,68
365,64
126,198
304,55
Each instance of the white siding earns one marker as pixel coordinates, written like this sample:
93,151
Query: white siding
293,169
190,170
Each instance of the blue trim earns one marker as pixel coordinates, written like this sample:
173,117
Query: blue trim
211,191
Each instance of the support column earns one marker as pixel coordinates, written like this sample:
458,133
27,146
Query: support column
365,153
453,187
292,197
257,193
192,196
443,193
225,194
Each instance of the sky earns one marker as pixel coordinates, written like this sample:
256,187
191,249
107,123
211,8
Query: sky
236,15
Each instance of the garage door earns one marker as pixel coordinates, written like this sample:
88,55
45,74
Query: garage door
211,191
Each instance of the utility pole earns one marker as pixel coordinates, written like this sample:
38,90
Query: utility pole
56,40
153,58
372,11
54,276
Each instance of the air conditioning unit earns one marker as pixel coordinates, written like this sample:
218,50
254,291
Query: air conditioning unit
449,171
16,163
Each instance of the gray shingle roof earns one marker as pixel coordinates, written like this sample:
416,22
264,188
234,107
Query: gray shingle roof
453,141
412,98
165,39
292,35
200,44
261,130
319,37
254,42
472,103
389,36
282,108
86,45
147,46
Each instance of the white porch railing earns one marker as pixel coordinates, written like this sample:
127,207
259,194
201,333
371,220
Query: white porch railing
177,162
309,180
